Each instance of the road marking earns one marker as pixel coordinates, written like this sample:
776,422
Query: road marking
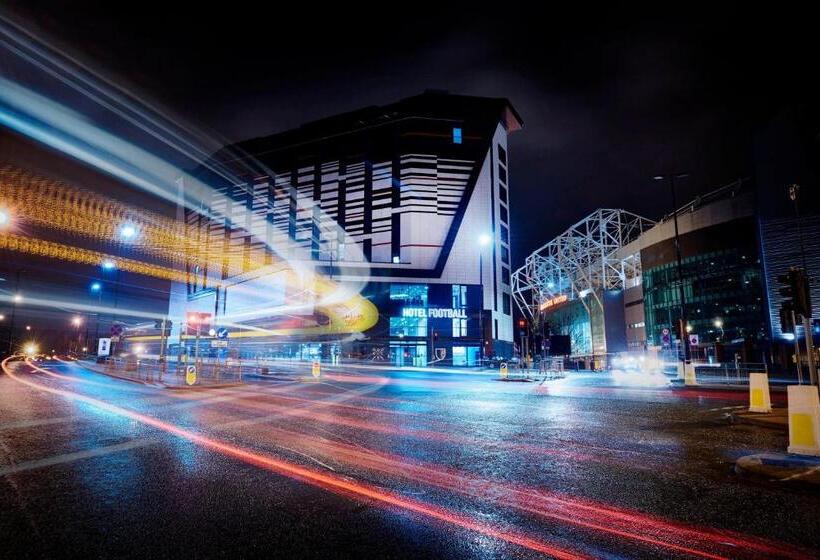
76,456
35,422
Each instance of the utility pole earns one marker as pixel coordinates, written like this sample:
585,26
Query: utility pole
802,289
682,321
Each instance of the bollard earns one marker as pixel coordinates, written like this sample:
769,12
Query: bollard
759,396
316,369
804,420
689,377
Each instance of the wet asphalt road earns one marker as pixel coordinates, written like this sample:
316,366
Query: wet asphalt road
374,463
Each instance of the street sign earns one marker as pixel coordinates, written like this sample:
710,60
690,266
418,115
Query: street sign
694,340
316,369
221,332
219,344
503,369
666,338
116,330
104,347
190,374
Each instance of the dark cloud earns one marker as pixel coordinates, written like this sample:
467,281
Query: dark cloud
610,96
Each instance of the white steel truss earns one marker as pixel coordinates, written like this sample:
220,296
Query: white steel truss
582,261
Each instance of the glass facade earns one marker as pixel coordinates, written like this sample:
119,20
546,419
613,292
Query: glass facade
723,296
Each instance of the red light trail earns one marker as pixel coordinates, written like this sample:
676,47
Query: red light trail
333,483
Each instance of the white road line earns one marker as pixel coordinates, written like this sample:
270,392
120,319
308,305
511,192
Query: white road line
35,422
76,456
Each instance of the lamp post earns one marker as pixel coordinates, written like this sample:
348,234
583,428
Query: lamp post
96,288
682,321
483,240
77,321
14,301
718,323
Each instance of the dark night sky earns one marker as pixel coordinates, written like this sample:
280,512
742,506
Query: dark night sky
609,97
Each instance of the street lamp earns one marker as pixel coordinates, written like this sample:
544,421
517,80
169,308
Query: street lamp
18,298
5,218
718,323
128,232
671,178
77,321
483,240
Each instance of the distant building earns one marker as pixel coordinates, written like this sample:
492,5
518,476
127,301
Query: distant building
721,270
395,200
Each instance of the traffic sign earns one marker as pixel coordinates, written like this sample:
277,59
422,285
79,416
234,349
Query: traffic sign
116,330
190,374
104,347
666,338
219,344
694,340
221,332
503,369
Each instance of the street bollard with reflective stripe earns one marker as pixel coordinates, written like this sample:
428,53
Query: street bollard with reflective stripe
689,377
316,369
759,396
804,420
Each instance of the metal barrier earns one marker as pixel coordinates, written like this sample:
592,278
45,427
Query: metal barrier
151,370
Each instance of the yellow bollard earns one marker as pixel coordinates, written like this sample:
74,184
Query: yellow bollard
689,377
502,370
804,420
316,369
759,396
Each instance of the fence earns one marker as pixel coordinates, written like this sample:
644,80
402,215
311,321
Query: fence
152,370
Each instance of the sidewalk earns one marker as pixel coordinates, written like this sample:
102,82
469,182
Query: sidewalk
778,418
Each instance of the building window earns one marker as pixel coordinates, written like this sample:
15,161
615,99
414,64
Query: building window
502,193
459,296
505,255
459,327
507,304
505,234
408,326
502,174
456,136
505,275
505,218
411,294
502,154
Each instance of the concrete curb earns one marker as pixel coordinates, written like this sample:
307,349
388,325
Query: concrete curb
778,467
678,384
773,420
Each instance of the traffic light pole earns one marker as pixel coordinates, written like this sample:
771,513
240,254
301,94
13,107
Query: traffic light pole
797,353
809,350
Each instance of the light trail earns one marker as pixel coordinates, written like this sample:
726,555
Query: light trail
626,524
332,483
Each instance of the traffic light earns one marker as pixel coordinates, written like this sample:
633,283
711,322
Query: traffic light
786,318
794,287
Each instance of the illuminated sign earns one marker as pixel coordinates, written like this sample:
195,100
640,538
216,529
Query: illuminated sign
433,313
550,303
